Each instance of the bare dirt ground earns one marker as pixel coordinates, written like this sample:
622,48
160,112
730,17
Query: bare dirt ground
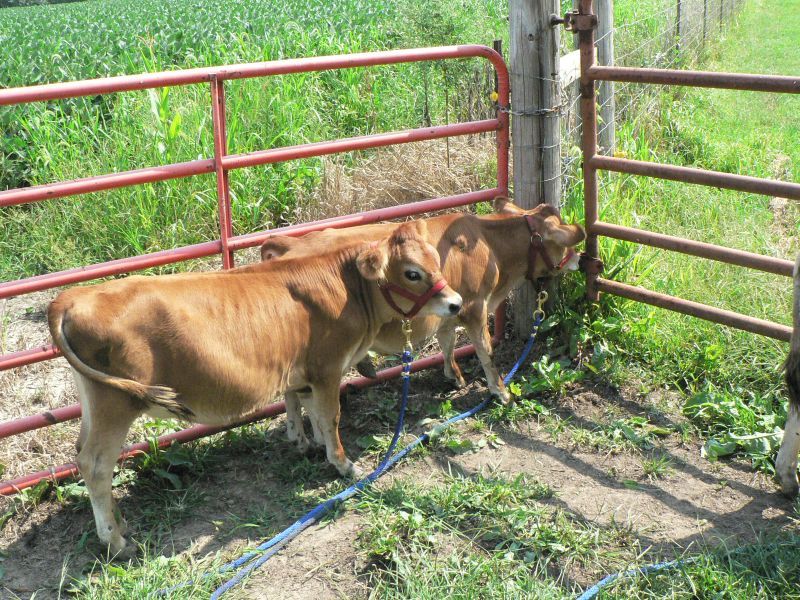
255,484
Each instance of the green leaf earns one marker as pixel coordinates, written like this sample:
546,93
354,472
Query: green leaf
459,446
714,449
171,477
175,126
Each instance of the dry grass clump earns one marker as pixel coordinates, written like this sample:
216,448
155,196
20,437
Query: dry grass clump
399,175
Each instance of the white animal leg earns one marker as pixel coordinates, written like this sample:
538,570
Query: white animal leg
107,416
295,431
307,400
786,463
324,406
447,341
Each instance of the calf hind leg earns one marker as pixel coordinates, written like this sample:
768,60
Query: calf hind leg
107,415
447,341
295,430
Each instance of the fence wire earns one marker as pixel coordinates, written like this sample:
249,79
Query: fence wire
660,34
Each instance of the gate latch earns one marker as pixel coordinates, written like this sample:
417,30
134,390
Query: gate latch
573,21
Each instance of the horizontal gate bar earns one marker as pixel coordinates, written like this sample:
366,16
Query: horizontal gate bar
126,83
8,488
370,216
263,157
66,413
126,265
708,79
27,357
238,161
696,309
741,258
742,183
44,419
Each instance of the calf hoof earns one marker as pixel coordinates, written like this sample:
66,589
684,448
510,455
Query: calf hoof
790,487
351,471
120,549
303,445
503,396
366,368
457,380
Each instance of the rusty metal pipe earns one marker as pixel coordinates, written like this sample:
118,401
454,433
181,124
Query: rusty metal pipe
126,83
220,150
707,79
238,161
742,183
696,309
588,104
741,258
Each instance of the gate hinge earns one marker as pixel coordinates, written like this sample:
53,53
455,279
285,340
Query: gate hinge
573,21
589,265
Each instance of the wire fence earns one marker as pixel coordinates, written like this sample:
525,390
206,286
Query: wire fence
665,34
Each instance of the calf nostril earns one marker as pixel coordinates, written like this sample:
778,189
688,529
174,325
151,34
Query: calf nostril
454,308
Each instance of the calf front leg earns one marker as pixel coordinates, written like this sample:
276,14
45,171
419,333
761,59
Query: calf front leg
447,341
478,331
323,405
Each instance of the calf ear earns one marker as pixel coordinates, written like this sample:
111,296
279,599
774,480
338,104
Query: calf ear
504,206
372,262
277,246
561,233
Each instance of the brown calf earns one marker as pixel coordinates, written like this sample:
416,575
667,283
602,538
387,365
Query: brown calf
786,463
483,258
216,347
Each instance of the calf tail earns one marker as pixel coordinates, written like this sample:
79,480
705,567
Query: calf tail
158,395
793,360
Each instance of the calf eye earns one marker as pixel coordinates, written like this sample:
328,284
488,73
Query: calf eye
413,276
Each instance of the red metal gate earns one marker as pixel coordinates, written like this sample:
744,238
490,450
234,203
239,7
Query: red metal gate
584,22
221,164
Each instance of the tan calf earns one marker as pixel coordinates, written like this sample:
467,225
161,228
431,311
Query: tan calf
483,258
216,347
786,463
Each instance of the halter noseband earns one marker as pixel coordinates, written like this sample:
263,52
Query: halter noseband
418,300
537,247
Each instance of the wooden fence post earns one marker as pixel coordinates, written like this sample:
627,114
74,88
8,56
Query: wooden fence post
605,56
535,119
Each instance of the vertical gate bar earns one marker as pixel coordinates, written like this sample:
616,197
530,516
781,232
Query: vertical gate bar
589,147
503,138
220,150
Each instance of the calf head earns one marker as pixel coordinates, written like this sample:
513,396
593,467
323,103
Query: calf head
407,268
552,242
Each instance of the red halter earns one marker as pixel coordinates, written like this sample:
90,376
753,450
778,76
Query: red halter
537,247
419,301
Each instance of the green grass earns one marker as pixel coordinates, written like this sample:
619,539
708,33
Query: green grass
498,538
769,568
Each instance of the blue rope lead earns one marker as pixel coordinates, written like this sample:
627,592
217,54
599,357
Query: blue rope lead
272,546
595,589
